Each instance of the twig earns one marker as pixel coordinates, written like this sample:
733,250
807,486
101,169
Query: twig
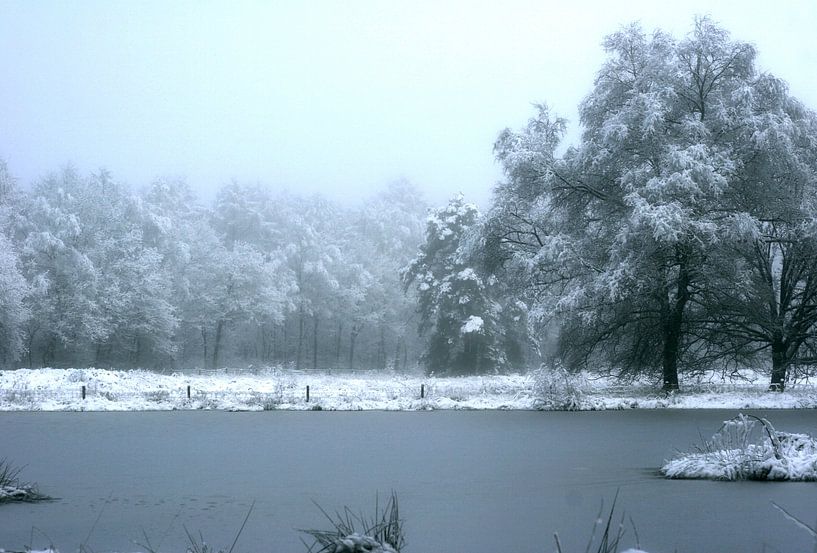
242,527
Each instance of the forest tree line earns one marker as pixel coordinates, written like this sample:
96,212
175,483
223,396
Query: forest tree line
678,235
96,274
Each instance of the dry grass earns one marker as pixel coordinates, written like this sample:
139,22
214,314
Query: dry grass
351,532
611,535
12,489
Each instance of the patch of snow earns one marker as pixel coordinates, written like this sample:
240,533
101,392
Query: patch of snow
472,324
468,274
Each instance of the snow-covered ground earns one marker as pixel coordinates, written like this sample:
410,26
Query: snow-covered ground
114,390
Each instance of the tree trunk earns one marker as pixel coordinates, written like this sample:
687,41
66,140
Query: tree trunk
285,343
779,363
204,344
337,345
397,354
217,343
672,331
261,344
352,338
316,322
670,357
381,349
299,354
137,353
48,353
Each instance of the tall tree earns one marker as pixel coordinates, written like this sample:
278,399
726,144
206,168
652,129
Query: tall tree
14,312
766,299
616,234
456,306
66,315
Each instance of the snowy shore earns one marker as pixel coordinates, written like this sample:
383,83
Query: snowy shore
269,389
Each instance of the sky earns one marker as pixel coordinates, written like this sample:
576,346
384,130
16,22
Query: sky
336,97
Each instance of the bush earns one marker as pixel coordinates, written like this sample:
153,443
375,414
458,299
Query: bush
748,448
557,389
11,489
352,533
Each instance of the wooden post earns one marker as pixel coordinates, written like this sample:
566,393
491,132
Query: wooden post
188,391
422,391
83,391
307,394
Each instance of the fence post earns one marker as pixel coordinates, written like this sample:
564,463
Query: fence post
188,392
307,394
83,391
422,391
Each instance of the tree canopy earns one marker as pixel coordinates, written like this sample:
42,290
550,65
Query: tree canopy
688,160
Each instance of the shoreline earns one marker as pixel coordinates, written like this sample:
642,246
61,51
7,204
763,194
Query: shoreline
92,389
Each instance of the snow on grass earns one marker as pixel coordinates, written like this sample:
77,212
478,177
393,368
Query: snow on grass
749,448
268,389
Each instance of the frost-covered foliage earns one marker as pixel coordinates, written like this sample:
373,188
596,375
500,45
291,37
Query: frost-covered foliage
749,448
14,312
692,173
13,490
353,533
557,389
461,310
96,274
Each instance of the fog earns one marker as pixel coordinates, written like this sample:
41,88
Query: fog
323,96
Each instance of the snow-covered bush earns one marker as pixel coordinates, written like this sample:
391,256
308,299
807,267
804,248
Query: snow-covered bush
11,489
749,448
557,389
352,533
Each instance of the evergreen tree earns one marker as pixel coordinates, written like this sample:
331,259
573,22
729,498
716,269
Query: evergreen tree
456,306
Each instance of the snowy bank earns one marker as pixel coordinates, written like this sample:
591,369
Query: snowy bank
749,448
268,389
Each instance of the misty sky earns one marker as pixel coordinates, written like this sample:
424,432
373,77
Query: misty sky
336,97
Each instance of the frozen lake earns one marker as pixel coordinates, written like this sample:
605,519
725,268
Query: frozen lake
475,481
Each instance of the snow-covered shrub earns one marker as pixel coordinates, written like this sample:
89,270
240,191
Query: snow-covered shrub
748,448
269,401
557,389
76,375
157,396
18,393
11,489
352,533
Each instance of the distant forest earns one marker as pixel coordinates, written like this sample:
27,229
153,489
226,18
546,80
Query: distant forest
678,235
95,274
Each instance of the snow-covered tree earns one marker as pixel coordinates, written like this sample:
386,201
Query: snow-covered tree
65,313
766,298
386,232
618,235
13,311
456,306
13,287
